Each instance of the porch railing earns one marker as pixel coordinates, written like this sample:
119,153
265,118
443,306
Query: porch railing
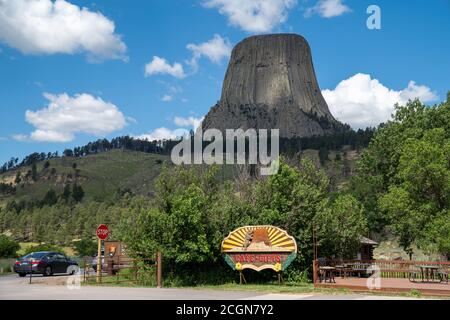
387,268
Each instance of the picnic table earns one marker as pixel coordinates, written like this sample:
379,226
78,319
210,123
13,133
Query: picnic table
344,269
428,272
327,273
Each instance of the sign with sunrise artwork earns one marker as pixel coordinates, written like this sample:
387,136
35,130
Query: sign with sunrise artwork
259,248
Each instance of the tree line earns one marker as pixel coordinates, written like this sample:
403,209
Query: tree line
355,139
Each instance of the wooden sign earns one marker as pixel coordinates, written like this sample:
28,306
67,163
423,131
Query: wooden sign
259,248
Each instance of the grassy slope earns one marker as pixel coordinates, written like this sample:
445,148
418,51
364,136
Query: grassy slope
100,175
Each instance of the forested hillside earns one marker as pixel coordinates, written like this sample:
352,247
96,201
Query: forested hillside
398,186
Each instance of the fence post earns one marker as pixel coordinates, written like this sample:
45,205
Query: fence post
159,269
315,272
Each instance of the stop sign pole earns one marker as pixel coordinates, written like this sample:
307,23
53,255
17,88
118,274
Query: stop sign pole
102,233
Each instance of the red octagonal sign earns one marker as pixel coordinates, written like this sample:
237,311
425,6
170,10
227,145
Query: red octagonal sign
102,232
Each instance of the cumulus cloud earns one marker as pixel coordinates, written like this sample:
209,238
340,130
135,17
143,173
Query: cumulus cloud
48,27
188,122
215,50
163,134
362,101
161,66
328,8
20,137
66,116
167,98
253,15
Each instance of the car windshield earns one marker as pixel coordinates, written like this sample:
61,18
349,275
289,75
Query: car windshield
34,255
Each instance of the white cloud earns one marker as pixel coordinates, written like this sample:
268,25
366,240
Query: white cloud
215,50
66,116
328,8
20,137
161,66
188,122
167,98
163,134
253,15
48,27
361,101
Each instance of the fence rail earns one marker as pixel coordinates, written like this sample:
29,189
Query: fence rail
125,270
387,268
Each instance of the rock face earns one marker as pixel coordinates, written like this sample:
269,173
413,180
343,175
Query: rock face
270,84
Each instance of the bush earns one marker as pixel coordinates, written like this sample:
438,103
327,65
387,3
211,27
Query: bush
85,247
8,247
43,247
295,276
6,266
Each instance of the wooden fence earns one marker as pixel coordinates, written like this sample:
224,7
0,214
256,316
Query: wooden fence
387,268
144,271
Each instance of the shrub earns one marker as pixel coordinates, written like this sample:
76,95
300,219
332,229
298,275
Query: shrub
8,247
43,247
85,247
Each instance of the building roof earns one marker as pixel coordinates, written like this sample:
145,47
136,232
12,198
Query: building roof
365,240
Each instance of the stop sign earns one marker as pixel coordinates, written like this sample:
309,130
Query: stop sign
102,232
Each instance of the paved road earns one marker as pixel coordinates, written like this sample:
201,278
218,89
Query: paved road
53,288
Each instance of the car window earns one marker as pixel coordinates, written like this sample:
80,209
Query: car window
60,257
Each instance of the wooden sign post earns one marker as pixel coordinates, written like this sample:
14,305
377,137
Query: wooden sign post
102,233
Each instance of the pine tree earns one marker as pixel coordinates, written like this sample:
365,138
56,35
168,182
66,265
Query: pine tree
66,192
18,177
34,172
77,193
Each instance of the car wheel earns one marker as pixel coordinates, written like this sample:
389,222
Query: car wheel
72,270
22,275
47,271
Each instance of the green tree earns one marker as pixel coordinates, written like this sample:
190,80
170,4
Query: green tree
437,235
43,247
34,175
8,247
85,247
378,169
66,192
50,198
291,199
422,189
323,155
77,193
340,227
18,178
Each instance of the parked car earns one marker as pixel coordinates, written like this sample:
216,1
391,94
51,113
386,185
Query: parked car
95,261
46,263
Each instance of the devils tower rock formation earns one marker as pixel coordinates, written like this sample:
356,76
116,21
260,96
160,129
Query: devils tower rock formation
270,84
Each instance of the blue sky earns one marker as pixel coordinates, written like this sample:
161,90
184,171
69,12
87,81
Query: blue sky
89,64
